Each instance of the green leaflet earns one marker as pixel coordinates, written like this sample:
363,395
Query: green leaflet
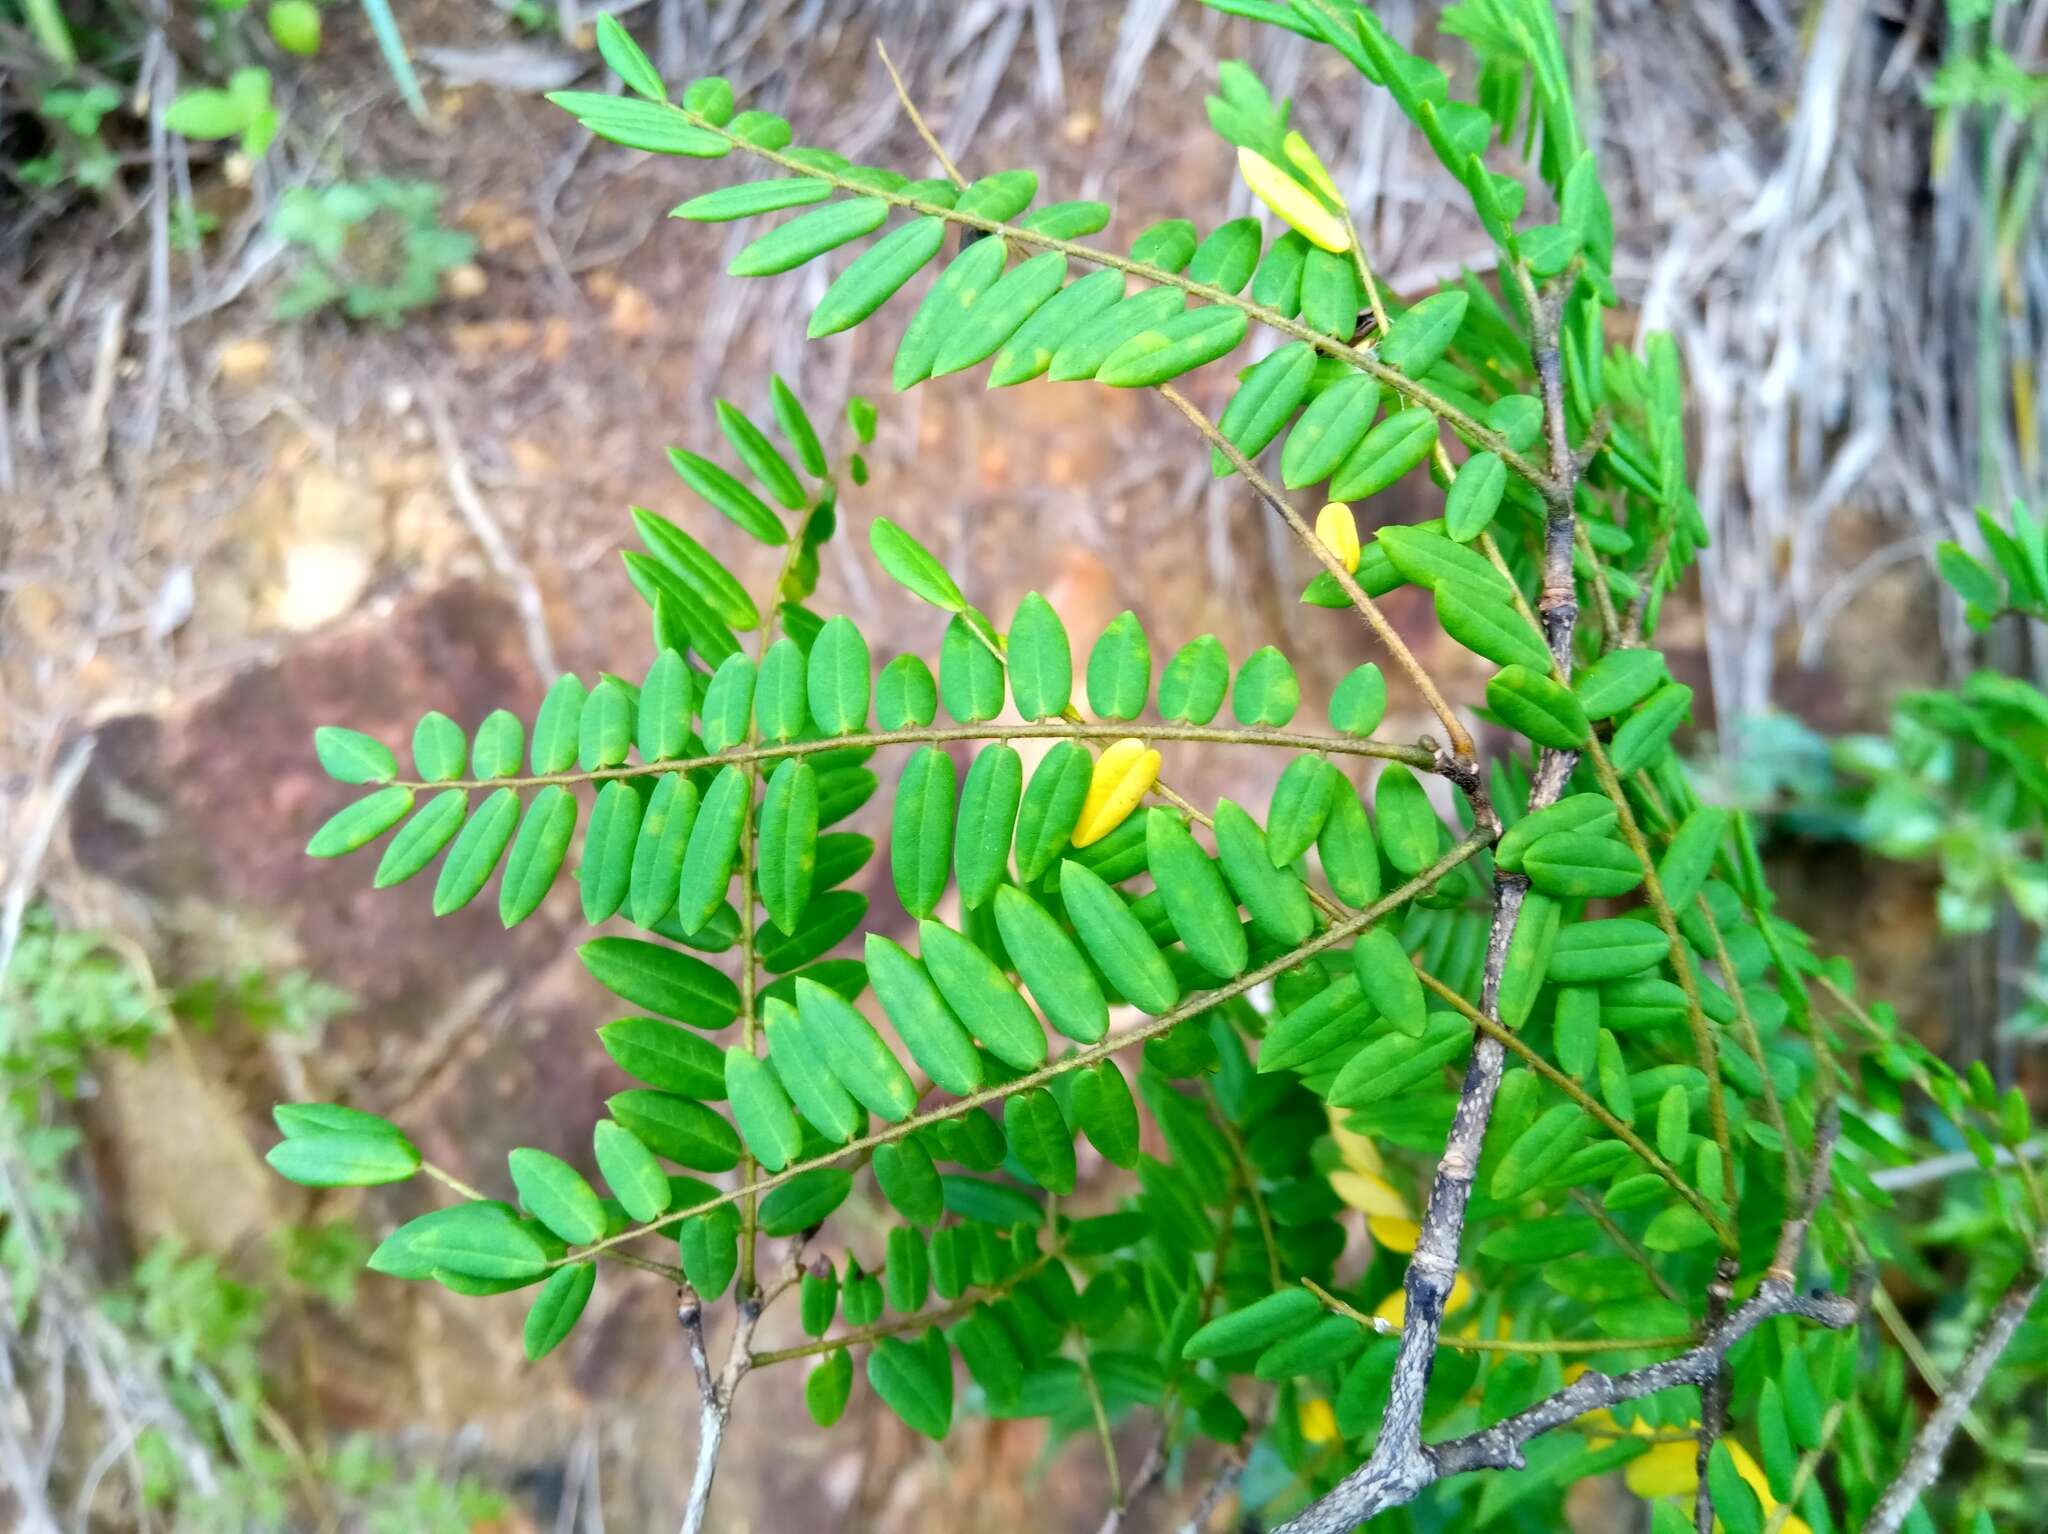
682,619
499,739
1182,343
806,1074
1539,1150
422,837
1517,417
1644,733
1196,680
607,869
875,275
907,1271
729,703
658,854
350,756
781,706
1389,980
1474,496
855,1053
1426,557
967,277
729,498
1577,866
991,1357
1274,899
1576,1035
982,997
1394,1063
1277,282
647,125
796,426
543,842
788,842
1031,349
558,726
1016,296
1266,693
1682,871
664,1055
714,845
1619,680
662,721
1116,940
1255,1326
1346,848
1534,705
1039,1137
1735,1503
904,1376
1591,814
1227,256
751,198
808,236
999,197
555,1193
1386,452
1051,806
1415,341
827,921
1589,952
1051,965
828,1386
709,1246
1198,903
1329,1343
1301,802
657,978
1329,431
906,695
1120,669
605,729
1674,1123
344,1160
761,1110
358,824
970,675
1360,701
839,678
1330,298
1084,350
934,1037
1410,834
687,1133
1334,1016
1490,627
988,818
1069,220
909,1181
476,851
1168,244
912,566
843,790
758,454
559,1305
921,836
1528,958
1041,662
698,569
439,748
804,1201
1106,1113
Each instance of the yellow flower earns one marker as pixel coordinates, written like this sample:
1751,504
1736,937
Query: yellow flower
1124,774
1394,1308
1354,1149
1318,1422
1672,1470
1297,206
1337,531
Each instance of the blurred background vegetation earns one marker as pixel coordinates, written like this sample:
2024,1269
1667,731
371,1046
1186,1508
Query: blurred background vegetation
330,357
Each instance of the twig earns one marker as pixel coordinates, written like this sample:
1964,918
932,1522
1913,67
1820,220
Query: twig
1923,1461
917,121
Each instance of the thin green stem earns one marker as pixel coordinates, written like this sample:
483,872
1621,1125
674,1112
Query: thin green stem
1151,1028
916,1321
1504,1344
1419,757
450,1181
1393,378
1102,1434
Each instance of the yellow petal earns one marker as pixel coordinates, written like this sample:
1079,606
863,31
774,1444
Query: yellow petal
1460,1295
1310,164
1665,1470
1295,203
1124,774
1318,1421
1396,1235
1369,1193
1354,1149
1337,531
1394,1308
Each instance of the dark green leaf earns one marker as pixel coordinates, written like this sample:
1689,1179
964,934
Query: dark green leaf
804,1201
559,1305
1116,940
660,979
1386,453
988,818
1329,431
1051,965
921,836
982,997
903,1376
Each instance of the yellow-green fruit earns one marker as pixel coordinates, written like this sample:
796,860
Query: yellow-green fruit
295,24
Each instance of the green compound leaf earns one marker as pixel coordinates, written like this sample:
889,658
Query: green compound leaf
499,741
1346,848
781,706
667,699
971,677
1394,1063
1590,952
1645,733
687,1133
1489,627
1255,1326
649,125
805,1071
664,1055
1593,814
828,1386
605,728
1227,256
